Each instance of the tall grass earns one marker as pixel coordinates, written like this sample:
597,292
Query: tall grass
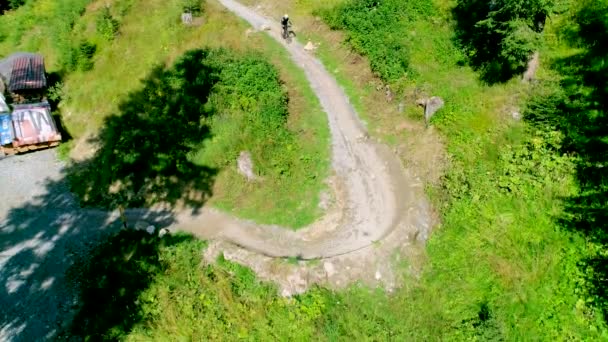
251,109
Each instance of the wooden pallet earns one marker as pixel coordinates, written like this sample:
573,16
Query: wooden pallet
10,150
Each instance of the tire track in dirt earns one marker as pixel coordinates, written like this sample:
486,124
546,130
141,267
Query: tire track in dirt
375,194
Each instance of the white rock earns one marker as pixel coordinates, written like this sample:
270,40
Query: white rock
309,46
265,27
150,230
329,268
378,275
141,225
245,165
516,115
163,232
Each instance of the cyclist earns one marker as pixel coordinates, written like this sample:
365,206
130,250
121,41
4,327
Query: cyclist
285,23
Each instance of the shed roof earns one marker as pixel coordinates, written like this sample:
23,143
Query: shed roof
28,73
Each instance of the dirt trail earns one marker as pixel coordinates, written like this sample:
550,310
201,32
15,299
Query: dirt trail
374,193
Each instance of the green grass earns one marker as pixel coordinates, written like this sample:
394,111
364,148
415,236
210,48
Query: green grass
171,296
498,247
252,114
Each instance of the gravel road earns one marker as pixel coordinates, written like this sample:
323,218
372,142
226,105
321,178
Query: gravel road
42,232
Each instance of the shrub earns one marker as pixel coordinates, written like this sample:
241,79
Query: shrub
86,52
107,25
378,29
192,6
500,36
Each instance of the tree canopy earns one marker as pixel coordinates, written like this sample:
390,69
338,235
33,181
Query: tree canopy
500,35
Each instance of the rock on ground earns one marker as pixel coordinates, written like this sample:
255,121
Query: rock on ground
245,165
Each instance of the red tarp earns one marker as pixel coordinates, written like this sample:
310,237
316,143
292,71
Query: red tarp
28,73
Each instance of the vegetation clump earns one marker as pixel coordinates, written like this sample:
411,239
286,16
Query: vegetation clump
376,29
500,36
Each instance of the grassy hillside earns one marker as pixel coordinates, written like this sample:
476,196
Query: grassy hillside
105,55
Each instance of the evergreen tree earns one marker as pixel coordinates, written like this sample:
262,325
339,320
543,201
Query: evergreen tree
500,35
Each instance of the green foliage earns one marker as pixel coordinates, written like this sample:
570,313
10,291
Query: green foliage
500,36
84,56
501,266
138,287
107,26
534,164
251,107
14,4
112,278
192,119
15,24
378,29
73,55
55,93
192,6
577,105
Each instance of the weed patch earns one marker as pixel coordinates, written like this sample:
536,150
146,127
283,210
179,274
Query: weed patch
377,30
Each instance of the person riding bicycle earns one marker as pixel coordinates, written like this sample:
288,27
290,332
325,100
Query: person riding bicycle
285,23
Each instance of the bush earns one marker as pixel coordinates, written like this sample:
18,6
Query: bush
84,55
192,6
107,25
378,29
500,36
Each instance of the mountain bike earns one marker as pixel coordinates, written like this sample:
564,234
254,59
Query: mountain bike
288,34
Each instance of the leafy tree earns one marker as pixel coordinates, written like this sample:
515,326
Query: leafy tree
500,35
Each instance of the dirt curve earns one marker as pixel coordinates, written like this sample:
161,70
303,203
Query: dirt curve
374,193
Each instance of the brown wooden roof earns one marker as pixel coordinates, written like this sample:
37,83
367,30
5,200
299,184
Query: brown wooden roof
28,73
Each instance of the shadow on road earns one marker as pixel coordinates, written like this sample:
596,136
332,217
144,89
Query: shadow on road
142,159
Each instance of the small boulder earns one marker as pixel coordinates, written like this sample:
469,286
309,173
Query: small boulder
533,65
245,165
151,229
310,46
516,115
329,269
265,27
431,106
163,232
187,18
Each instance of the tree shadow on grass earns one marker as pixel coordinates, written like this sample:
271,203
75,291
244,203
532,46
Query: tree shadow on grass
579,108
143,152
113,279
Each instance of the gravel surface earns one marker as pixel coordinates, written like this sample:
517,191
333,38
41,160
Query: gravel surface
41,234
